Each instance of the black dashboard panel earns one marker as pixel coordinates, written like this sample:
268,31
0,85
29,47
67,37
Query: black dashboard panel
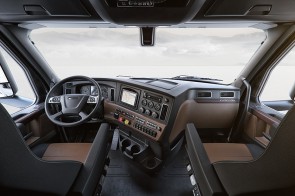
158,109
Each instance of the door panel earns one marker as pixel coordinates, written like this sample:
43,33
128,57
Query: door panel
261,125
34,125
281,106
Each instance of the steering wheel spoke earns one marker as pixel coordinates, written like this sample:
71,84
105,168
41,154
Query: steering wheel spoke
56,115
55,99
83,115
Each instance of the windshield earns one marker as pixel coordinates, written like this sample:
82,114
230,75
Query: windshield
109,52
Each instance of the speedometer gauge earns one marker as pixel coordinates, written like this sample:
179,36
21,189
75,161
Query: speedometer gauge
85,90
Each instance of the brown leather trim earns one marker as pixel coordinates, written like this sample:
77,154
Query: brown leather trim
262,140
67,151
28,117
227,152
267,118
204,115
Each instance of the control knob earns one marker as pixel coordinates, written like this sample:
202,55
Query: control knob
141,110
148,112
155,115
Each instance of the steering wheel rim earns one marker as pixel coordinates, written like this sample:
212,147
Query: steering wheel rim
71,104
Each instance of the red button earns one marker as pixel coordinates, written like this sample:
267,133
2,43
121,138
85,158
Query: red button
121,119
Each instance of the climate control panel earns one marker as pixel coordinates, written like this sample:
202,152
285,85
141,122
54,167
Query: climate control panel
155,106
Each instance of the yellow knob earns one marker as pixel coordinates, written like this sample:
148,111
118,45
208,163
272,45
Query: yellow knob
126,122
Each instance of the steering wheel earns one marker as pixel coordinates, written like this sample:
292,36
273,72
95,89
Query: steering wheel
71,105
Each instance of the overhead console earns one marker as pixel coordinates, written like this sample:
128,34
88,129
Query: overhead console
147,12
147,3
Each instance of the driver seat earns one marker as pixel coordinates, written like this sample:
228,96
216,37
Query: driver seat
65,169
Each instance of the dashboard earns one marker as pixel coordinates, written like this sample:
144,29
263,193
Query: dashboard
158,109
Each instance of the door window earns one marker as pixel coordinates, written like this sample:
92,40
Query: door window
21,94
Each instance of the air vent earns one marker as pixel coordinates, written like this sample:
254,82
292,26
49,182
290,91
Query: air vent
112,94
69,85
204,94
164,112
68,91
227,94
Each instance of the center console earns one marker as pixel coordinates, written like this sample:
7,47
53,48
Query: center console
142,111
141,116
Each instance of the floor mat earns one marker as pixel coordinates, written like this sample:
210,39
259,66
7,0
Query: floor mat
125,178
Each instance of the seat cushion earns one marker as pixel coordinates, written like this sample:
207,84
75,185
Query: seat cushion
67,151
227,152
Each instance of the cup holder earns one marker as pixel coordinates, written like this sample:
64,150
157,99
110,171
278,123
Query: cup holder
125,144
131,148
135,149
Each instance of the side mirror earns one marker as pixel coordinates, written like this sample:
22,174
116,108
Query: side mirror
292,92
8,86
5,90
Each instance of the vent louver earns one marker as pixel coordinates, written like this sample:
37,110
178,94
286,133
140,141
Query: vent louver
227,94
205,94
164,112
112,94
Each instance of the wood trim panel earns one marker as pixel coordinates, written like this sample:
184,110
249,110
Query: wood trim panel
111,108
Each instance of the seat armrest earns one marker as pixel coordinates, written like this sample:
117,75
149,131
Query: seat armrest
205,175
93,167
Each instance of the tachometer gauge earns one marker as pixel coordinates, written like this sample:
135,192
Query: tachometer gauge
85,90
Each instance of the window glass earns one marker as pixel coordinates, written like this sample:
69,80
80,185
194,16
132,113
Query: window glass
25,90
108,52
280,80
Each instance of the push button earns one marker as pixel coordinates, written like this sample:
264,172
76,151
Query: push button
121,119
116,115
127,122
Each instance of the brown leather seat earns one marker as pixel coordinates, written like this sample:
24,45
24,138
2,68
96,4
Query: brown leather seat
231,169
227,152
67,151
64,168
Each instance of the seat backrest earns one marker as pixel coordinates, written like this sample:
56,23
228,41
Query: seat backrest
21,169
273,171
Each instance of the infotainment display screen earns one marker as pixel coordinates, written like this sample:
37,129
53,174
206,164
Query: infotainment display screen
128,97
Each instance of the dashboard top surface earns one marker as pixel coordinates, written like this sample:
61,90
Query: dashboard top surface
170,87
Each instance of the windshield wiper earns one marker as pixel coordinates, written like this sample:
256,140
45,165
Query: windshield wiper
196,79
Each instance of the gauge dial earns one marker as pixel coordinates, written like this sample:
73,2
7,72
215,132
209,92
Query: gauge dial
94,91
85,90
104,92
